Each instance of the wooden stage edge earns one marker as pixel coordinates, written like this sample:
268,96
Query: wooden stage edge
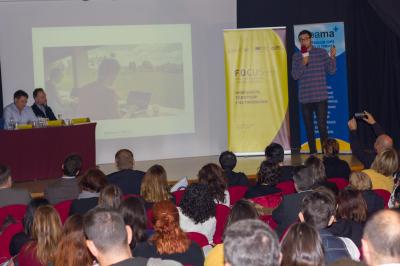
188,167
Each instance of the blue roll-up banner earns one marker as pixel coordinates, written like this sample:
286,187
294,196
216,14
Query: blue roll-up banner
325,35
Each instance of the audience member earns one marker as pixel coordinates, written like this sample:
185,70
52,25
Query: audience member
72,250
128,179
40,107
46,233
251,242
334,167
197,211
92,182
110,197
228,161
9,195
212,176
318,174
302,245
169,241
380,243
66,187
361,181
275,153
395,199
18,112
382,170
382,141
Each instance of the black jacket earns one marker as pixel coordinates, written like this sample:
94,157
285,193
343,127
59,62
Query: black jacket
128,180
39,113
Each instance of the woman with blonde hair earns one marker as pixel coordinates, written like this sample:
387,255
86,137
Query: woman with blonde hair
382,170
46,233
154,186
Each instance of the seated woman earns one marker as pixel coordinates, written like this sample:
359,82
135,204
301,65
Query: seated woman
110,197
154,186
318,174
267,177
46,233
197,211
361,182
91,184
334,167
169,241
382,170
351,216
212,176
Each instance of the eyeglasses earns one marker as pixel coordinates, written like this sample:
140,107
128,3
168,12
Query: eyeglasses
304,39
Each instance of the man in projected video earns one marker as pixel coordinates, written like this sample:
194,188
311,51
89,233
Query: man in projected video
98,99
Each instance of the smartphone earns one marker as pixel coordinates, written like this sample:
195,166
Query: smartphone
360,115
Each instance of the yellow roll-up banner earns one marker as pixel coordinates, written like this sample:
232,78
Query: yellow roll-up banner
256,89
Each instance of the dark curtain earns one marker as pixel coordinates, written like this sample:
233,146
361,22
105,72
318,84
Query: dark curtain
372,46
1,96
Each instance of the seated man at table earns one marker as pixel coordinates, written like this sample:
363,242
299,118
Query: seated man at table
18,112
128,179
40,107
8,195
66,187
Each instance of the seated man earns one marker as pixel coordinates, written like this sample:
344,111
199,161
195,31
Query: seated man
380,242
18,112
108,240
275,153
251,242
66,187
128,179
8,195
382,141
228,161
40,107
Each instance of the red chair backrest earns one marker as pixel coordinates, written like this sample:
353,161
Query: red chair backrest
236,193
63,208
5,239
17,211
198,238
341,183
268,201
221,215
178,196
124,197
149,214
384,194
287,187
268,220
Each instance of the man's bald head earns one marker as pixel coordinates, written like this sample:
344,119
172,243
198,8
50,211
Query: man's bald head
381,238
383,142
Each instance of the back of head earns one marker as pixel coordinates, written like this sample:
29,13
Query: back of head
154,186
317,168
318,208
227,160
94,180
124,159
274,152
303,179
251,242
134,213
5,175
72,165
27,221
352,206
197,203
110,197
302,245
213,176
386,162
383,142
169,237
331,148
382,236
360,181
243,209
268,173
106,229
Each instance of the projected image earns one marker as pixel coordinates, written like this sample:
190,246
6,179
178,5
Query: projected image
115,81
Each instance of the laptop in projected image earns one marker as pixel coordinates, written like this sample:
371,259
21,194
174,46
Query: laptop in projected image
138,102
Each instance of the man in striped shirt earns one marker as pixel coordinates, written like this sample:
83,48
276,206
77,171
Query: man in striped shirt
310,67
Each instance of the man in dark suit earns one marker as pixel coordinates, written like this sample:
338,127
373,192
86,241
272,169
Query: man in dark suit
40,107
8,195
128,179
287,212
66,187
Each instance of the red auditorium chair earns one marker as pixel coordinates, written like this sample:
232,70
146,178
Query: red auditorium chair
124,197
198,238
341,183
287,187
384,194
236,193
221,214
17,211
149,214
178,196
269,201
63,209
5,239
269,220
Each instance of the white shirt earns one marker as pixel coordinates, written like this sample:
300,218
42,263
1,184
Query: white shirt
206,228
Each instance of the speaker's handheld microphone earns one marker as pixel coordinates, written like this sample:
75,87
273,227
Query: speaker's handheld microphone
304,51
